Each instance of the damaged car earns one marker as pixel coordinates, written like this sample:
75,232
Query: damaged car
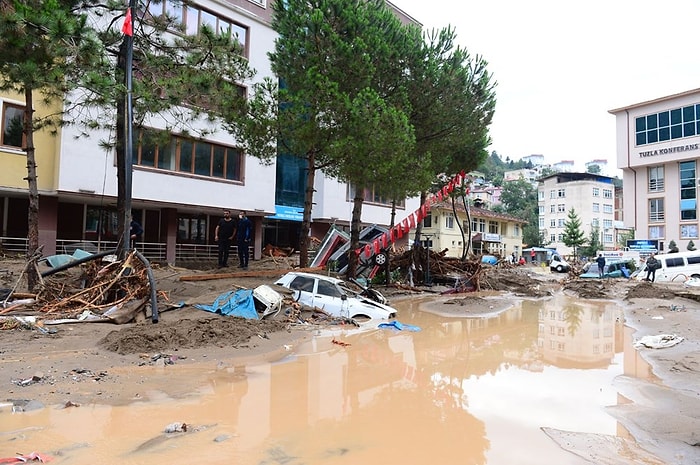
334,296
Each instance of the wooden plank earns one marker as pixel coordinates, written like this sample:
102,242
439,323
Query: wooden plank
246,274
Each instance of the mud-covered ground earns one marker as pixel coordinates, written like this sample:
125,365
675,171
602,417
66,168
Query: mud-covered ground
84,362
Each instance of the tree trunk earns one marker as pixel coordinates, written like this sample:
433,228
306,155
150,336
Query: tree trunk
33,214
308,204
355,226
468,240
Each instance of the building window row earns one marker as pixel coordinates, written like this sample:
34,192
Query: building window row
158,149
374,196
668,125
193,18
12,117
688,193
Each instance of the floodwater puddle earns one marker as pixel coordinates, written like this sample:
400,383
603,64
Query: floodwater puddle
462,390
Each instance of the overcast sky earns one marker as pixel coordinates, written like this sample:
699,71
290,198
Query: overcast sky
560,66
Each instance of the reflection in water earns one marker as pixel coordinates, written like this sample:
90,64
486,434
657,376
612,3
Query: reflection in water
462,391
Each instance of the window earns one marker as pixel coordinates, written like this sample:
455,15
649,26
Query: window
540,223
552,238
540,209
607,238
428,220
516,230
694,260
607,224
158,149
552,194
656,179
561,208
561,222
328,288
449,221
668,125
596,208
607,193
674,261
552,223
540,195
478,225
493,227
607,208
552,208
595,222
191,229
656,232
561,193
656,210
596,192
12,118
689,231
688,192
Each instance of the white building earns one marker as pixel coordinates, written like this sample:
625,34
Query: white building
592,198
658,146
180,186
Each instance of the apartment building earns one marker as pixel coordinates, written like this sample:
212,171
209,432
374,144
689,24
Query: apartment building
591,196
488,231
178,203
658,147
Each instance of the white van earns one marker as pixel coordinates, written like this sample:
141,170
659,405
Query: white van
675,267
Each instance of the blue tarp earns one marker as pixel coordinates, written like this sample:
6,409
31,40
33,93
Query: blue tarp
233,303
400,326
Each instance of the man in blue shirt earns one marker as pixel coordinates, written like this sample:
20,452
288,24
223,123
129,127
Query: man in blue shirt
244,232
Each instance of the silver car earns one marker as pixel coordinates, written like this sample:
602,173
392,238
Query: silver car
333,296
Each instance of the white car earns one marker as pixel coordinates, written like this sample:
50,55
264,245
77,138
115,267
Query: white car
333,296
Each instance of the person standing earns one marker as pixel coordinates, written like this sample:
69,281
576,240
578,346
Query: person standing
244,231
135,231
532,255
600,261
223,235
652,265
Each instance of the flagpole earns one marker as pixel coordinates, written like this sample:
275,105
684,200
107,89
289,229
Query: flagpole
128,127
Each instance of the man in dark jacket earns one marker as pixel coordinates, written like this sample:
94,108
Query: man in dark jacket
244,232
223,235
601,264
652,265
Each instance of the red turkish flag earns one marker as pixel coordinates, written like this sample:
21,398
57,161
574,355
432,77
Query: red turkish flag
368,251
412,221
128,27
377,248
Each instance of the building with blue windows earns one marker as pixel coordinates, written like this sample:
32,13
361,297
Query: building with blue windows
658,147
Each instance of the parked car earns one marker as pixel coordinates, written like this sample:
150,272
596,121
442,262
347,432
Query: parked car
334,296
558,264
613,269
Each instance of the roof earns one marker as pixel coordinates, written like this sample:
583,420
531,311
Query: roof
656,100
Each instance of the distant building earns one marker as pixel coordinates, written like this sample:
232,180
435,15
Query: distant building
489,232
592,198
536,160
564,166
530,175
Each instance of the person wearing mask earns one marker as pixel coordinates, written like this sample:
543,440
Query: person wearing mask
600,261
223,235
244,231
652,265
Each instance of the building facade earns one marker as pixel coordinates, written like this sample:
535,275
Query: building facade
591,196
658,147
488,231
180,186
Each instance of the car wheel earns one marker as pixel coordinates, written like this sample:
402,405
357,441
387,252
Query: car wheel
381,259
560,269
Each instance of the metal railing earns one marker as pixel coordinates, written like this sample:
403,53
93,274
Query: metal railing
155,251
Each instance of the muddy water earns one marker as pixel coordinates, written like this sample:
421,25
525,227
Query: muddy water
462,390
